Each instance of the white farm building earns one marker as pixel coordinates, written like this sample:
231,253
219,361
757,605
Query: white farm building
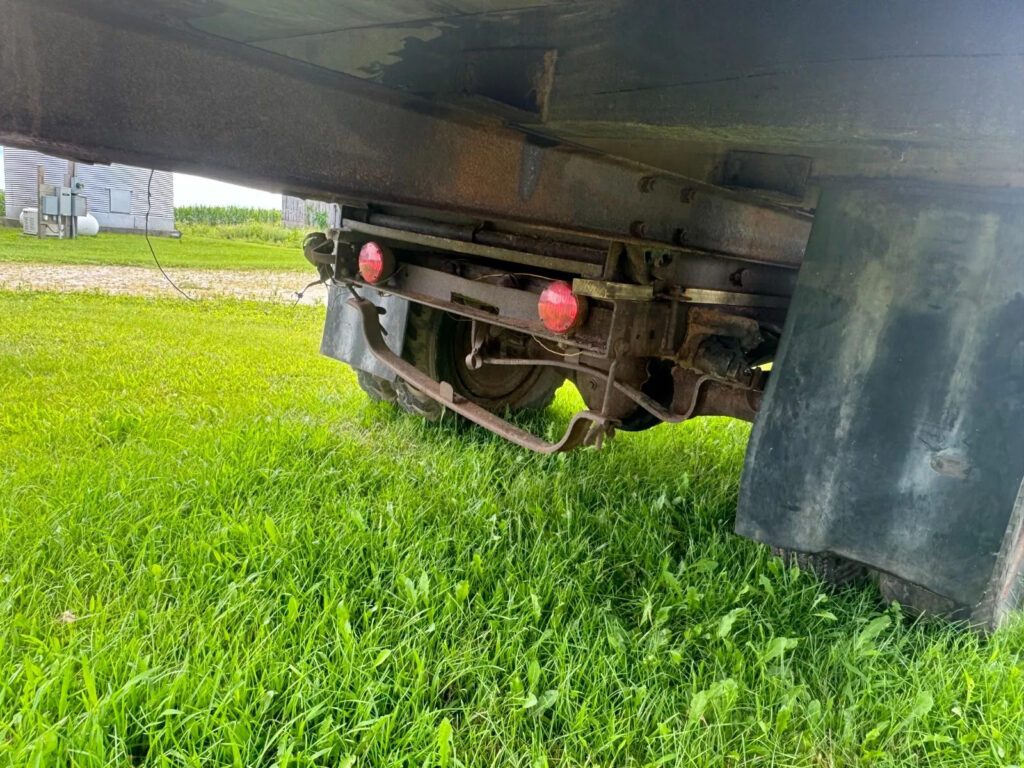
116,193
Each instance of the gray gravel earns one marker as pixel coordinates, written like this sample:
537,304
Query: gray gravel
258,285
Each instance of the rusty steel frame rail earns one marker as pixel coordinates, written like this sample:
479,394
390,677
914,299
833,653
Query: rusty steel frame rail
582,425
173,98
470,248
644,401
705,386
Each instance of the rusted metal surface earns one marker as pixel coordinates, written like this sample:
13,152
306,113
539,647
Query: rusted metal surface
481,300
634,394
583,426
696,270
616,327
718,341
783,174
700,395
912,89
510,241
730,298
602,289
621,375
498,298
635,374
470,248
696,394
172,98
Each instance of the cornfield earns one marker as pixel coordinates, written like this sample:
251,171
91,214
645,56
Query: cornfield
216,215
256,225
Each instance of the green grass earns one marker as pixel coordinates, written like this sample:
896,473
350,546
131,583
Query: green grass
189,251
255,225
215,551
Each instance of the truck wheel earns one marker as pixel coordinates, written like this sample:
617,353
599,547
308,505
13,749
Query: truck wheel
833,569
375,387
652,377
437,344
917,600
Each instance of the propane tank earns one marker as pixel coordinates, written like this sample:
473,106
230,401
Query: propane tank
88,226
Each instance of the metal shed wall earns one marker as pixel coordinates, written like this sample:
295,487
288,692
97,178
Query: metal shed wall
20,180
296,212
100,179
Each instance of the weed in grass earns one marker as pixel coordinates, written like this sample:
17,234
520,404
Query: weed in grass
264,568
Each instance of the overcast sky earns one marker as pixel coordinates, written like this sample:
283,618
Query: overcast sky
195,190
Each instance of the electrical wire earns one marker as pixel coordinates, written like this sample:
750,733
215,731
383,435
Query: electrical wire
149,207
299,294
544,346
515,274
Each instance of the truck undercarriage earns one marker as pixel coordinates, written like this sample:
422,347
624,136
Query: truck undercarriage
650,337
805,216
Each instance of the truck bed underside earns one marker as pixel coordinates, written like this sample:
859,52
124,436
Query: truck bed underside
704,184
871,88
837,89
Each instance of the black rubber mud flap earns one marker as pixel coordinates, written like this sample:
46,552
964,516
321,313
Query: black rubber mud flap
342,339
892,430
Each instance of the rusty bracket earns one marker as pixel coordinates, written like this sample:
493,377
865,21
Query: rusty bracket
609,291
585,426
644,401
478,338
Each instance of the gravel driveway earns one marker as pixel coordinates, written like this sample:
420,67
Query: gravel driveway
259,285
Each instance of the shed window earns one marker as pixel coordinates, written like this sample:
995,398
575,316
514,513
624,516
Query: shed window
120,200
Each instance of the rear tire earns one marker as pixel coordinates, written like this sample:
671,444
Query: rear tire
918,601
381,390
832,569
915,600
437,344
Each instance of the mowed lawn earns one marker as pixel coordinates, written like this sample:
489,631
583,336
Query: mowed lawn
131,250
214,551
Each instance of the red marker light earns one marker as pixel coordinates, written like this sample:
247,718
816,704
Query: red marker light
376,262
560,309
